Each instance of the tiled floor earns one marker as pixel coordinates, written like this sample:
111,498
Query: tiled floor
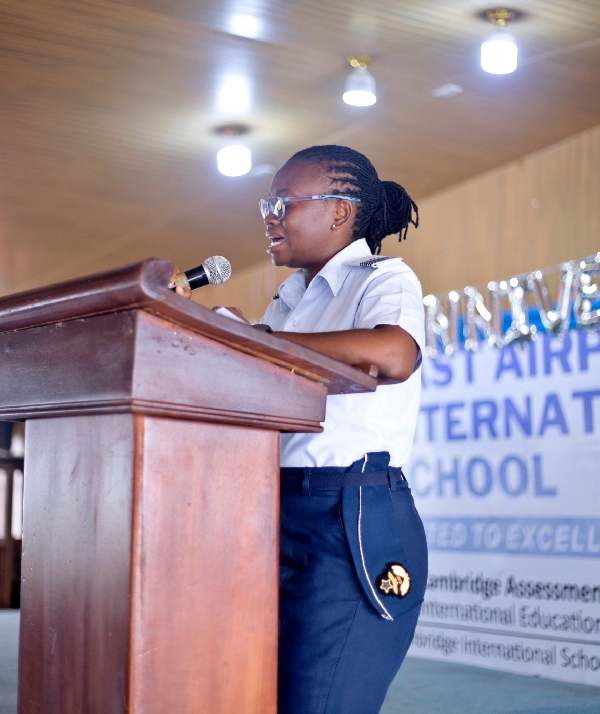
420,688
424,687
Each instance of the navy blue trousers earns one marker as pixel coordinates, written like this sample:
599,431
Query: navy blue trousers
337,655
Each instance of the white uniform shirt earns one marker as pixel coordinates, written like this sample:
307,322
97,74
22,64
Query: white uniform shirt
344,296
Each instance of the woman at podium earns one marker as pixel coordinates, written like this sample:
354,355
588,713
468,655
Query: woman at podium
353,553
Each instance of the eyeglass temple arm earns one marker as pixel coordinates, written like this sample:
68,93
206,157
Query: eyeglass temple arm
321,195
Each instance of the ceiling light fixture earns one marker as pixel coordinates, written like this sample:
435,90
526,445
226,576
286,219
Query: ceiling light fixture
499,51
360,86
234,95
235,159
244,26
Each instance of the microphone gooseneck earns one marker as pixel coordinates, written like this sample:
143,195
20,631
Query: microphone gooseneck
213,271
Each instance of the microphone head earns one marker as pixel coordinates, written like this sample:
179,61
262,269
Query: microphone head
217,269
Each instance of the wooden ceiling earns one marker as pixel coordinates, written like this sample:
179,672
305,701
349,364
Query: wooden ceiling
108,110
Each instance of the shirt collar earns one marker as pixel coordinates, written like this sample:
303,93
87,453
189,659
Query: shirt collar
333,272
337,269
292,289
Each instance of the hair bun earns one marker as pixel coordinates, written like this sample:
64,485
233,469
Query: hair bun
397,209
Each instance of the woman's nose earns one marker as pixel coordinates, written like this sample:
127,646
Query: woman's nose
270,219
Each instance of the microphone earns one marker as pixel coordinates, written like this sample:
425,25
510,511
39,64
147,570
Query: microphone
213,271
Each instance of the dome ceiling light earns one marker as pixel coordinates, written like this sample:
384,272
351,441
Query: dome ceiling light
499,51
245,26
234,159
234,95
360,86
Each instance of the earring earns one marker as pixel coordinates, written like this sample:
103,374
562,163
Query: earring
333,226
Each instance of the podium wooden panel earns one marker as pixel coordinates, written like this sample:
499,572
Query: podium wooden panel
150,545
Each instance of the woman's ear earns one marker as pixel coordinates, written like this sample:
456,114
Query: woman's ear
342,214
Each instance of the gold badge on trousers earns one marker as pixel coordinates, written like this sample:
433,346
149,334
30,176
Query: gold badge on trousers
394,580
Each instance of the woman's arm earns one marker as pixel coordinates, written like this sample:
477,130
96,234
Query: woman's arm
390,348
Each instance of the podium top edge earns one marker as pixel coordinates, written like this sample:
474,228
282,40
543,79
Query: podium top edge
131,286
144,286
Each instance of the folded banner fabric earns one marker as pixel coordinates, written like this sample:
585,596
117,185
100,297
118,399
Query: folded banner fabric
505,472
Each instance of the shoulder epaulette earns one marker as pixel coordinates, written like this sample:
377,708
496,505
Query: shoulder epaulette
371,262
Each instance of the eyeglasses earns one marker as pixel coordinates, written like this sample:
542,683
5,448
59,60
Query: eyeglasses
276,204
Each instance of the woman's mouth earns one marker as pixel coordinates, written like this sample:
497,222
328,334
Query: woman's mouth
275,241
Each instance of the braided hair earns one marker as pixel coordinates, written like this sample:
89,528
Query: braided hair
385,207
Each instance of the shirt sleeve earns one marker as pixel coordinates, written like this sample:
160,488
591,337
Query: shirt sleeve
394,298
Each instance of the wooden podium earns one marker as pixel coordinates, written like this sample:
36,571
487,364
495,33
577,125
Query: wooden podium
150,545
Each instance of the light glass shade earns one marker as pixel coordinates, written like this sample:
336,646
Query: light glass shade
245,25
499,54
234,160
360,88
234,95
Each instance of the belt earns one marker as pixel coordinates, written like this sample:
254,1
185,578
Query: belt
305,480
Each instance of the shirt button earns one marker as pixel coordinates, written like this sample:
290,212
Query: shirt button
294,323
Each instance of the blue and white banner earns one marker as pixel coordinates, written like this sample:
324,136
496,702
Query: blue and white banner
505,472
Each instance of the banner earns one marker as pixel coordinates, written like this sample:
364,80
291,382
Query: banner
505,472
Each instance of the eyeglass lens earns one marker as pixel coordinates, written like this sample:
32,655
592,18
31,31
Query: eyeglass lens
273,205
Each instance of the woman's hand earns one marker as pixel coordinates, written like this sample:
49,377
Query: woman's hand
236,311
180,290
